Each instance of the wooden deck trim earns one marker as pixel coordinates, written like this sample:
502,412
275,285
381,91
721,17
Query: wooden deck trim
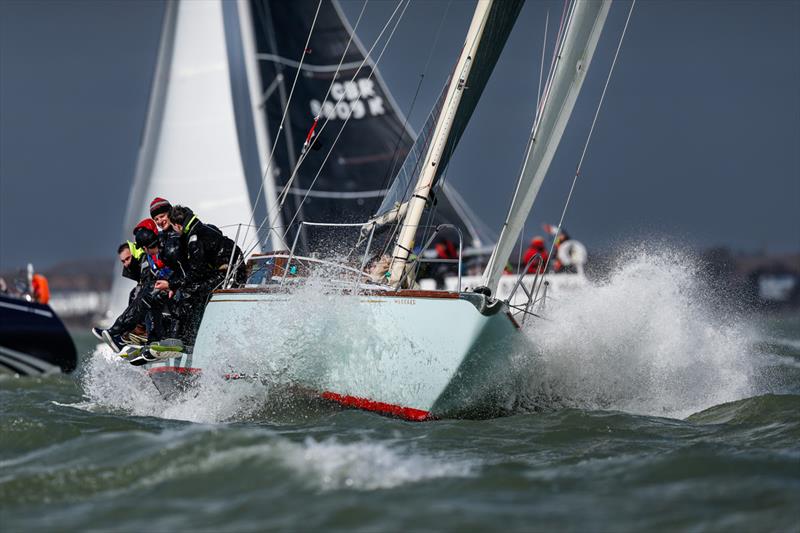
403,293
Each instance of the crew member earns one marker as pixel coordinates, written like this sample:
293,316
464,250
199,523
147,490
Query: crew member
172,249
41,289
159,212
148,302
208,254
536,247
561,239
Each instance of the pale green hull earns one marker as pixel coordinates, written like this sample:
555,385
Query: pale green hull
401,354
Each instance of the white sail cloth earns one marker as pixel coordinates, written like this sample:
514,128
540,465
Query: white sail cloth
190,153
580,40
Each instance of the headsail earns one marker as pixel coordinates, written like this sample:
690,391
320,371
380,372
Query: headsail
489,29
191,151
499,22
574,56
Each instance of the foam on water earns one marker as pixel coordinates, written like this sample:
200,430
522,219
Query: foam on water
293,345
110,383
652,339
366,465
325,464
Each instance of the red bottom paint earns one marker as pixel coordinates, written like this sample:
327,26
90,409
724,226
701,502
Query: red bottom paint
176,369
408,413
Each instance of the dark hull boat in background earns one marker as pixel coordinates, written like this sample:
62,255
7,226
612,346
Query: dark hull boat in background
33,340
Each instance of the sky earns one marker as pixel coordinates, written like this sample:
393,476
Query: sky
698,140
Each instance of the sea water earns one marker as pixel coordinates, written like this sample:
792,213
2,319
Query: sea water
650,401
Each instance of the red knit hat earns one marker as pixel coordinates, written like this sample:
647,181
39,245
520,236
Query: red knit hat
158,206
146,223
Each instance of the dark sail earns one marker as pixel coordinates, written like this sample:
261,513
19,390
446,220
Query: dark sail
350,185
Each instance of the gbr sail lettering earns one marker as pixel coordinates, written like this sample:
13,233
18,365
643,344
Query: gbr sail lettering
357,97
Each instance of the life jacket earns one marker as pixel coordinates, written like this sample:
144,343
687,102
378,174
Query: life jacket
136,252
158,268
537,265
41,289
446,250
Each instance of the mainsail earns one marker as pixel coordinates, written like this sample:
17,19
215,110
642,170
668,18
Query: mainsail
572,61
350,185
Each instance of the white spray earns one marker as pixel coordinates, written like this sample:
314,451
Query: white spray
652,339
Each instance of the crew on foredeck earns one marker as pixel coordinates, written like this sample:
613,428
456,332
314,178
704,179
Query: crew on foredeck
536,254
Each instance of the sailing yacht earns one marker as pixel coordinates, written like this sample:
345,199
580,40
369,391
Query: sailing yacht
221,85
383,344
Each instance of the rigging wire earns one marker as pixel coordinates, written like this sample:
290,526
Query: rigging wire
395,159
350,114
559,44
310,136
538,102
284,192
280,127
304,154
402,223
330,86
586,144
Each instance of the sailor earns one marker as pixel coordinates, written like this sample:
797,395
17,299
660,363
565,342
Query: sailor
130,257
562,237
41,289
171,247
538,251
208,253
159,212
147,303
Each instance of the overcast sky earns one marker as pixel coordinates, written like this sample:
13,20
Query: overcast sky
698,140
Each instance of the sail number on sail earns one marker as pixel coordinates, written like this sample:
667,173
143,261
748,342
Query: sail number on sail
350,97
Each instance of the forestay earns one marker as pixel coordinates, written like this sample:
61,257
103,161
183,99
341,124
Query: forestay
486,37
573,58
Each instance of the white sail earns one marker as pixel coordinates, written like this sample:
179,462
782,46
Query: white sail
190,152
487,35
580,40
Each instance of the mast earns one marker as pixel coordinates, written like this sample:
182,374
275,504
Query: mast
422,189
574,56
262,134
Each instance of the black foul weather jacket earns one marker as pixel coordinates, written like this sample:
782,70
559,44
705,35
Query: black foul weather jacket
208,252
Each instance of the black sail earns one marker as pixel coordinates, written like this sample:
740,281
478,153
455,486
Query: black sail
344,180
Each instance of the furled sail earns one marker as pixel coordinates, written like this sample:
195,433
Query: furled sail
193,147
583,30
350,185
